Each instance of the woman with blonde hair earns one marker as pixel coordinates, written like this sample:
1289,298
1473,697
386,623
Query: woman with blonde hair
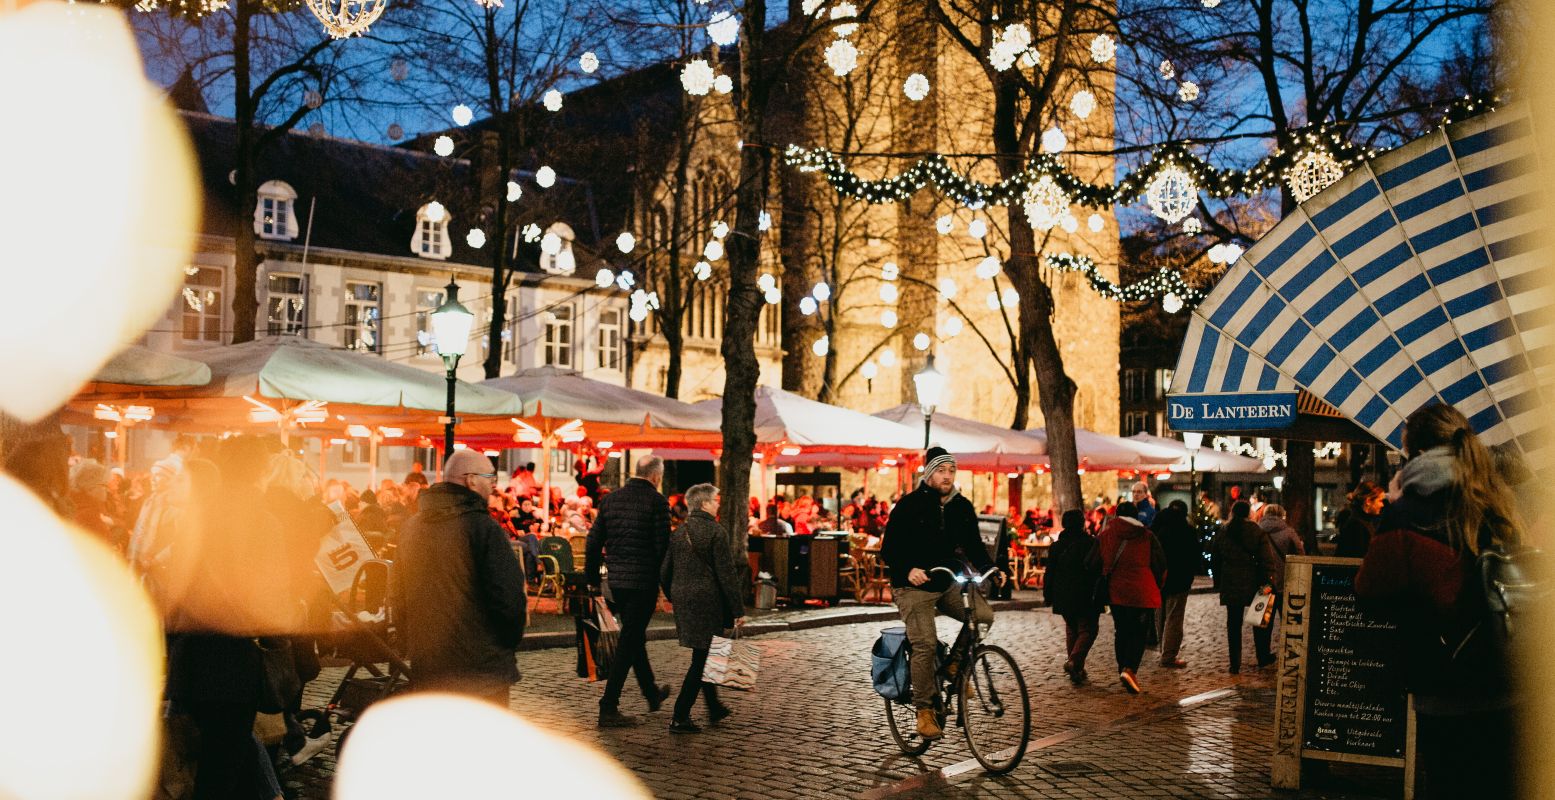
1420,573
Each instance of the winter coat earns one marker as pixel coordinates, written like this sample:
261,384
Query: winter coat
1133,561
629,537
1244,562
924,533
459,591
1286,543
1070,580
1180,542
700,578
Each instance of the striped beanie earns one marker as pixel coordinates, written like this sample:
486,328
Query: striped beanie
935,456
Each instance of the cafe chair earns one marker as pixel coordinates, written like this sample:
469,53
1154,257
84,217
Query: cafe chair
553,582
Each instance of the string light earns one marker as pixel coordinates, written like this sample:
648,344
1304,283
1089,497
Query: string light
1164,281
1316,171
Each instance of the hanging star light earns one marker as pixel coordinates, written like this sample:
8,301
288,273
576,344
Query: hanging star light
1172,195
343,18
1315,172
1045,204
1103,48
697,77
588,62
1082,104
842,57
553,100
723,28
916,87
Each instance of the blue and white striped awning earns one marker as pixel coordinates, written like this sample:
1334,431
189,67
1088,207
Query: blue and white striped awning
1412,280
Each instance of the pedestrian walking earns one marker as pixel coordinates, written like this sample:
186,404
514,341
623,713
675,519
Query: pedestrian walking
1244,561
1069,587
629,538
1130,556
1355,532
459,588
1419,573
1285,540
1144,503
1180,543
700,577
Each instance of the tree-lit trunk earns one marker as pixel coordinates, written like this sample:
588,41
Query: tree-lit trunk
245,268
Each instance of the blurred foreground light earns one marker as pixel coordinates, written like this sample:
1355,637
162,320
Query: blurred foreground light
443,745
69,597
137,189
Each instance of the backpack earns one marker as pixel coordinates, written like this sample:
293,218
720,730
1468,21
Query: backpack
1511,583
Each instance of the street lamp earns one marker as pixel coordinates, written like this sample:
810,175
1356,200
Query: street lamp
451,331
1193,441
930,385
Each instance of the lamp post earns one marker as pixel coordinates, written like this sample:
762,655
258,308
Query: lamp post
451,330
1193,441
930,385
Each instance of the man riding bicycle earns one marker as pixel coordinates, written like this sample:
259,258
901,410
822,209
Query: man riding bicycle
933,526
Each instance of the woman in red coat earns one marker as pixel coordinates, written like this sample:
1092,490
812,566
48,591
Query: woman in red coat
1135,565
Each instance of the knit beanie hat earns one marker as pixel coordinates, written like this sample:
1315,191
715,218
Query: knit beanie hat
934,457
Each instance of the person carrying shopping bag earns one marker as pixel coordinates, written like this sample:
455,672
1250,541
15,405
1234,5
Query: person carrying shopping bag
702,582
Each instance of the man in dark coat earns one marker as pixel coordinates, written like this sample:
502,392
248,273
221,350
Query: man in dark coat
1069,586
1181,545
630,537
700,577
933,526
459,588
1244,561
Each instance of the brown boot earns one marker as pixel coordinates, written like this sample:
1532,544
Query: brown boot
928,726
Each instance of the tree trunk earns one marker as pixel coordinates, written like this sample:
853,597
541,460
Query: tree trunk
1300,475
803,373
245,268
677,297
493,189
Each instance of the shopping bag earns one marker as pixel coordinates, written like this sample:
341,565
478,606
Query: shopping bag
607,620
732,663
1261,611
982,610
609,634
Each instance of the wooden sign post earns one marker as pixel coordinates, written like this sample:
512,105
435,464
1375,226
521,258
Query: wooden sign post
1333,701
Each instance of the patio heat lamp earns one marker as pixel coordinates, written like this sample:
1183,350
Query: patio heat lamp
451,332
930,386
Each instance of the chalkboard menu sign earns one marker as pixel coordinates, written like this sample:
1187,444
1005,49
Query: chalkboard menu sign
1334,700
1351,705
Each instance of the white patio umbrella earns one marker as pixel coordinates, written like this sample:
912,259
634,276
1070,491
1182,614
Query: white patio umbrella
1098,451
976,445
137,366
1175,457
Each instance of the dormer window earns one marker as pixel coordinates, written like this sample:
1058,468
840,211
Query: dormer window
431,237
275,216
556,255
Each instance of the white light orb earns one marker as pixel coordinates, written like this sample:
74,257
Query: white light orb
514,191
723,84
697,77
1010,297
868,370
1069,223
604,277
462,115
842,57
993,301
1095,222
1210,3
436,212
1167,70
545,177
889,271
1188,91
443,146
638,313
808,306
947,288
821,292
944,224
1030,59
845,11
887,357
476,238
766,281
1083,103
552,100
702,270
1233,252
1217,254
773,296
1192,226
888,319
988,267
713,250
921,341
588,62
723,28
888,292
1045,203
916,87
1172,195
821,346
1054,140
1103,48
720,229
550,244
626,280
626,241
977,229
531,233
953,326
1171,302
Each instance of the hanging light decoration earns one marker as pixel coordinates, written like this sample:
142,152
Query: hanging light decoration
1008,46
552,100
1054,140
443,146
889,271
723,84
821,292
807,305
1167,70
1172,195
921,341
713,250
845,11
841,56
988,267
1188,91
1171,302
1095,223
1045,203
702,270
347,17
1315,172
916,87
476,238
1083,103
888,319
1192,226
626,241
588,62
1103,48
944,224
514,191
545,177
887,357
697,77
821,347
947,288
723,28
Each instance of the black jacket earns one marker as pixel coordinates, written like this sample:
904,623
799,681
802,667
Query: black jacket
924,533
459,591
1183,551
629,536
1069,585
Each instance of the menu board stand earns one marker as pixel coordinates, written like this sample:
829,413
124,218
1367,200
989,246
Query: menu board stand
1329,703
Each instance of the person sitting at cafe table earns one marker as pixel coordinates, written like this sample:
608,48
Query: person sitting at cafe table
774,525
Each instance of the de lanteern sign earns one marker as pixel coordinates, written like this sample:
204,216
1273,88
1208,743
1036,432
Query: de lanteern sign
1231,412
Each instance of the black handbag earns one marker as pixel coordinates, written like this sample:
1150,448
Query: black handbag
279,684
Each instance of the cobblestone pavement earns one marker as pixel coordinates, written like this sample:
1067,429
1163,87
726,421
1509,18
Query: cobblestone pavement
815,728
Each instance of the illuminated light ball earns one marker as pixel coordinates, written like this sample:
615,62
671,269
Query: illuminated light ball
552,100
1103,48
887,357
476,238
1192,226
953,326
988,267
1167,70
723,84
396,131
764,222
993,301
444,146
944,224
921,341
869,370
947,288
888,319
545,177
773,296
1188,91
1010,297
551,244
1083,103
312,99
1031,59
1172,195
766,281
1096,223
626,241
638,313
514,191
436,212
604,277
845,11
842,57
723,28
808,306
588,62
531,233
1069,223
720,229
1233,252
1171,302
916,87
702,270
889,271
977,229
697,77
888,292
462,115
625,280
713,250
1210,3
821,292
1217,254
1054,140
822,346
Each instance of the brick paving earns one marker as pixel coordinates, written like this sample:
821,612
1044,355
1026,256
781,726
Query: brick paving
815,728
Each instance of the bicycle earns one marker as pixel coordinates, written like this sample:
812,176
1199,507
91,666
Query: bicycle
983,690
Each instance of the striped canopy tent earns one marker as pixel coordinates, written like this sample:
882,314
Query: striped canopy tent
1410,281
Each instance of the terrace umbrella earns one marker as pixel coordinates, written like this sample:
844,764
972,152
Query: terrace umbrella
1175,457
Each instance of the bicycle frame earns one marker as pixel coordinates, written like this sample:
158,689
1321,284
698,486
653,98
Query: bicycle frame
950,687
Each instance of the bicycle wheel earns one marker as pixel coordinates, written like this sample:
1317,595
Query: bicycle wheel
904,728
995,710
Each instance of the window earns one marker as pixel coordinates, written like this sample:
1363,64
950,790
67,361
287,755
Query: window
561,462
427,301
431,237
1133,386
1138,422
562,262
355,451
288,304
202,304
1166,381
610,339
556,348
362,315
274,216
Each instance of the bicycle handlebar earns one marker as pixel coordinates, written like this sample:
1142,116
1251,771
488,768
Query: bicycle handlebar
959,579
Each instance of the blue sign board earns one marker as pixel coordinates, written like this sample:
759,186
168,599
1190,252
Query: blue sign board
1247,411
